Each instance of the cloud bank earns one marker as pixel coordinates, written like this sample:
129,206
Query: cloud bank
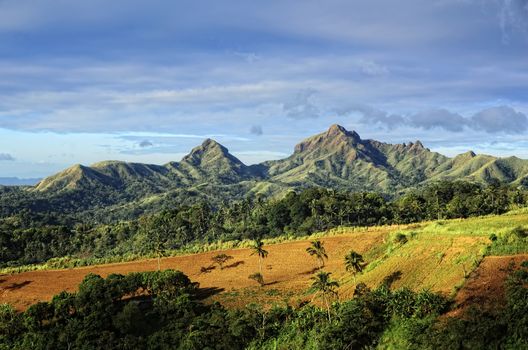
493,120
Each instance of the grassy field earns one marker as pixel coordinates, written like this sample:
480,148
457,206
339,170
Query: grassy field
437,255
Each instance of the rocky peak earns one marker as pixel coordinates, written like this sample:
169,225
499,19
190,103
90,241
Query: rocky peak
210,144
208,148
334,138
338,130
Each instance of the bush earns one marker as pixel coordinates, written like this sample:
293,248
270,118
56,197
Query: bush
400,238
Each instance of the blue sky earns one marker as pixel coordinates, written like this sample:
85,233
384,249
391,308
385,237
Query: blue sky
89,80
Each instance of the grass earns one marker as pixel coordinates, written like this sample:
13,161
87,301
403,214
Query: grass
441,230
440,255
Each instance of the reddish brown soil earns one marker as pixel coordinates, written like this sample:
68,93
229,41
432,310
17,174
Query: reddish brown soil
485,286
287,271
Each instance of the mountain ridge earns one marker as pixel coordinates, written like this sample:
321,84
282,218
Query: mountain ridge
336,158
337,154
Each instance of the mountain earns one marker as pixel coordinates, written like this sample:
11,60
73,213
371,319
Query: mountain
336,158
211,162
340,158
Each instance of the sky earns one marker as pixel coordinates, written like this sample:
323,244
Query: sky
146,81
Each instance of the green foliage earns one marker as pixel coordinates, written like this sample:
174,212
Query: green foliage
354,262
317,250
257,277
400,238
221,259
336,159
514,241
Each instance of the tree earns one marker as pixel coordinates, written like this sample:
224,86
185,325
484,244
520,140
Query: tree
354,263
258,249
324,286
158,230
221,259
317,250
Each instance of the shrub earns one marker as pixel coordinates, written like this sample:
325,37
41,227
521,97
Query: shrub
221,259
400,238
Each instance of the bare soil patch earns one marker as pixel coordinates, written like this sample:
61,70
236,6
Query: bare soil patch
287,272
485,285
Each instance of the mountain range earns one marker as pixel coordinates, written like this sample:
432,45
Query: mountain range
17,181
336,158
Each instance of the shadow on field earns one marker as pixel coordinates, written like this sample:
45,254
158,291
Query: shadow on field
271,283
389,280
235,264
15,286
207,269
204,293
310,272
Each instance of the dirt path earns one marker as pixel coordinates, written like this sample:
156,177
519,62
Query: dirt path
485,286
287,268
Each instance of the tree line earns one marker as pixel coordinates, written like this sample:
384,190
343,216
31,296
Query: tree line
26,238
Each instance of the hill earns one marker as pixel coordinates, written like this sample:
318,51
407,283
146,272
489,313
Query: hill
337,159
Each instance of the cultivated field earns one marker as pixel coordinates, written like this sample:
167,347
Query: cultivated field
436,255
485,286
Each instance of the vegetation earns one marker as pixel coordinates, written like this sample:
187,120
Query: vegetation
257,277
317,250
337,159
324,286
354,263
30,238
115,210
258,250
221,259
514,241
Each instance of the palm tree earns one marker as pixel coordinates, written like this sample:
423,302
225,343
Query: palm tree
354,263
323,285
258,248
318,250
